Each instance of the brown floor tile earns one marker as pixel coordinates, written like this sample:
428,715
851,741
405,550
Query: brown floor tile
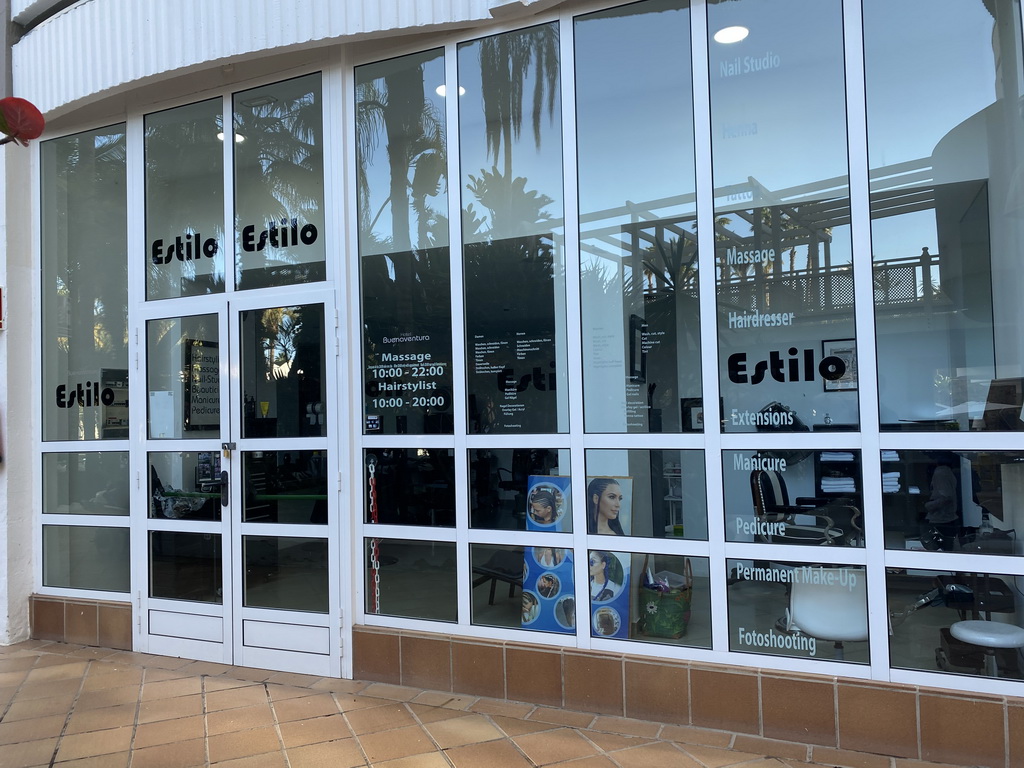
103,761
401,742
555,746
380,719
659,755
294,679
513,726
626,726
343,753
49,689
30,730
66,669
107,697
33,708
716,758
104,675
429,760
770,747
240,719
14,678
202,668
848,759
83,721
610,742
955,730
266,760
503,708
393,692
249,673
233,698
336,685
444,699
492,753
314,731
17,663
28,754
255,741
286,692
169,689
95,743
169,731
563,717
229,683
596,761
434,714
317,705
877,720
470,729
182,754
170,709
691,735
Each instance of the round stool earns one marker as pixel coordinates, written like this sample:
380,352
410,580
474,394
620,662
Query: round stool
989,635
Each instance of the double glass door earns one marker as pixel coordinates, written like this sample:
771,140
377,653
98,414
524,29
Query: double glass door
241,545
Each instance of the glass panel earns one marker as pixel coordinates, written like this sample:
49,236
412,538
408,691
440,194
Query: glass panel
514,271
967,501
286,573
185,485
285,487
185,566
402,194
660,494
966,623
415,579
86,557
86,483
284,388
543,576
410,486
185,201
641,319
85,286
798,610
783,256
946,198
520,489
279,184
654,598
183,377
778,497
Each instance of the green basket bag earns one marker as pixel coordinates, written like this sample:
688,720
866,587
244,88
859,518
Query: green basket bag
666,614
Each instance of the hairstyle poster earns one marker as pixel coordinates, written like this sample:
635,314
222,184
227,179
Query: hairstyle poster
547,504
549,597
609,593
609,501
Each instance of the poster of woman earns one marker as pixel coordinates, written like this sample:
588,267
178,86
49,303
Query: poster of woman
609,593
548,590
609,501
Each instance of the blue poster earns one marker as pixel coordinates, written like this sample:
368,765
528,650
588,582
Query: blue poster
547,504
609,593
549,597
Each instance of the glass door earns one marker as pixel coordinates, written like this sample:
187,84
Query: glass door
242,564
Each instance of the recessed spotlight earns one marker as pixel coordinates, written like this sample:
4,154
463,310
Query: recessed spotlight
728,35
442,91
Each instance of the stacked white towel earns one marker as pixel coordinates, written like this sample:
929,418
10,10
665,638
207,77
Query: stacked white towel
890,456
838,485
890,482
837,455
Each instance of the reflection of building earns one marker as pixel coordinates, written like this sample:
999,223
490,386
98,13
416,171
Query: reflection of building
784,316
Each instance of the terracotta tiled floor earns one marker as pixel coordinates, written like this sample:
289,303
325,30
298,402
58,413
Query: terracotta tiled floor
74,707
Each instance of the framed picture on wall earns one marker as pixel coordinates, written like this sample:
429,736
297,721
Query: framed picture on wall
845,350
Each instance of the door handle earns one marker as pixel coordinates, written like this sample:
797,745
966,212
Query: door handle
224,488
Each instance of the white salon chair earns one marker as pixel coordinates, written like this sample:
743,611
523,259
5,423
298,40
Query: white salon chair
835,609
989,635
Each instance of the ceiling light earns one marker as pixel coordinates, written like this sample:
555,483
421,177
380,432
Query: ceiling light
441,90
728,35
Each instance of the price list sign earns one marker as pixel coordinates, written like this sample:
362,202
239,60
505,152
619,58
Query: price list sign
408,380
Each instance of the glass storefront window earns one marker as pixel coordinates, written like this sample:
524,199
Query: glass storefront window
803,610
513,260
86,557
523,587
946,228
185,485
285,487
279,184
638,280
86,483
520,489
186,566
402,197
85,286
652,598
659,494
285,572
961,622
410,486
953,501
785,497
185,201
183,364
783,253
284,384
415,579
